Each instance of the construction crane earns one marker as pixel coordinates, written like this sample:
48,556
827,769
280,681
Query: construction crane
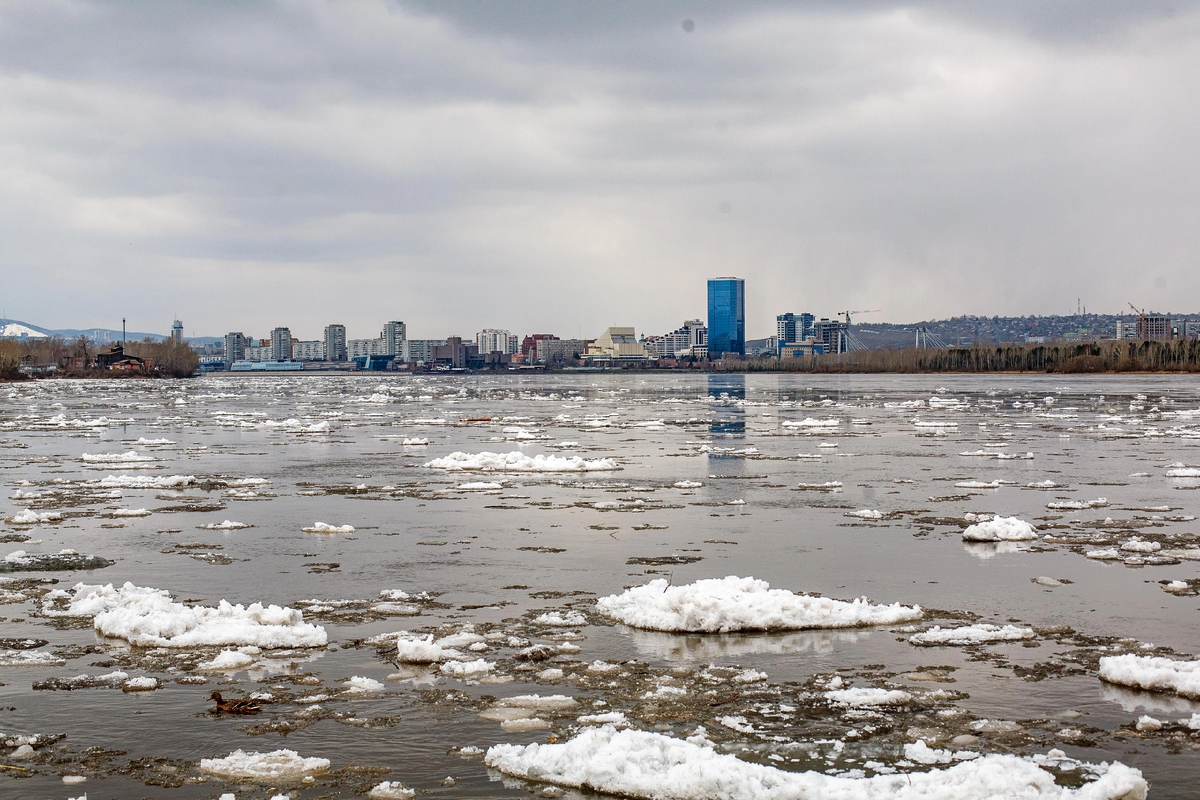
848,313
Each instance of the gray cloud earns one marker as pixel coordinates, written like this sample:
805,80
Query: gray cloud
563,167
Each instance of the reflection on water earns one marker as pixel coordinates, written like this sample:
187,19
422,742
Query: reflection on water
711,647
986,550
728,416
1136,702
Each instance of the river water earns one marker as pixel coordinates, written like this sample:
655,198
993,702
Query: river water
759,449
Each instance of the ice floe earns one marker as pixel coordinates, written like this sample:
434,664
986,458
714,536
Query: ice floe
1000,529
31,517
278,765
519,462
721,605
1153,673
971,634
149,618
867,697
653,766
323,527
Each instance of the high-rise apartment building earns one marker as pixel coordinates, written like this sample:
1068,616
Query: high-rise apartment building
235,348
394,335
335,342
493,340
680,341
281,344
792,328
726,317
177,333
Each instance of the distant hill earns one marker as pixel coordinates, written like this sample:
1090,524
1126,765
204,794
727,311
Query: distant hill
967,330
12,328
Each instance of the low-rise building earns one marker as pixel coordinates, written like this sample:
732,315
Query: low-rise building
454,353
618,345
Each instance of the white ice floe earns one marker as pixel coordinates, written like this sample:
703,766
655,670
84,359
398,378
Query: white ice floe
863,698
1000,529
971,634
1077,505
29,658
478,486
227,525
149,618
687,484
131,512
145,442
827,486
1154,674
809,422
278,765
979,484
721,605
866,513
1183,472
132,457
1148,723
142,684
922,753
652,766
1138,545
417,649
467,669
1106,554
31,517
519,462
322,527
360,685
145,481
564,619
391,790
227,661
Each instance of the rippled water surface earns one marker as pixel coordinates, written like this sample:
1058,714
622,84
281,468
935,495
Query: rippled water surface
783,468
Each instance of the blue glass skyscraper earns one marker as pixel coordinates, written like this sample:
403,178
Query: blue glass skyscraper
726,317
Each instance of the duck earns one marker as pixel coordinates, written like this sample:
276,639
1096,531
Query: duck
234,706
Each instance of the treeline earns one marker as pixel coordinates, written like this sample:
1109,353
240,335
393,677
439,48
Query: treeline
1182,355
74,357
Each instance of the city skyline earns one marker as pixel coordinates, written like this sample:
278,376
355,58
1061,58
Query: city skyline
927,159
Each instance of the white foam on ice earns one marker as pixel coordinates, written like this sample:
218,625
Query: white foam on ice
519,462
149,618
652,766
1000,529
721,605
278,765
1153,673
971,634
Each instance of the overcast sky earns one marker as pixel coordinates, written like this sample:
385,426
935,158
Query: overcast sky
566,166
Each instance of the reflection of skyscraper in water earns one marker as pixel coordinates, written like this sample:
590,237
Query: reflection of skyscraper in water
728,416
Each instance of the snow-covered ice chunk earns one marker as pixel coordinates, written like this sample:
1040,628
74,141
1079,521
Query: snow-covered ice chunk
971,634
145,481
323,527
474,486
1000,529
391,790
1107,554
519,462
278,765
361,685
1138,545
149,618
132,457
863,698
227,660
564,619
31,517
226,525
866,513
687,484
809,422
653,766
131,512
1077,505
142,684
1152,673
722,605
467,669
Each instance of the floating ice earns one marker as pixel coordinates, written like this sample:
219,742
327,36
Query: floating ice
861,698
970,634
828,486
29,658
142,684
1153,674
227,525
467,669
1137,545
149,618
145,481
1183,472
360,685
227,660
1108,554
979,484
31,517
687,484
20,561
391,790
721,605
564,619
322,527
131,512
278,765
653,766
519,462
480,486
132,457
1077,505
809,422
144,441
1000,529
866,513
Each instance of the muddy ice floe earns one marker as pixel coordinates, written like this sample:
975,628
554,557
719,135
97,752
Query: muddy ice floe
20,561
1153,673
149,618
1000,529
519,462
647,765
278,765
723,605
970,635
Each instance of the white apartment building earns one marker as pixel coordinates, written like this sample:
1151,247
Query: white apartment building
235,348
681,341
357,348
394,335
492,340
420,350
309,351
335,342
257,353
